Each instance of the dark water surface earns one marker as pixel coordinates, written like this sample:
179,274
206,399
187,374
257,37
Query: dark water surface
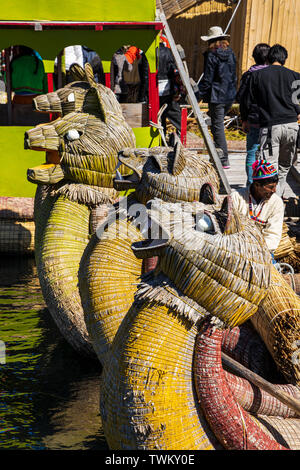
49,395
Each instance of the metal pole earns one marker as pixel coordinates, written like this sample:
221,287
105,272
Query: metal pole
194,103
233,15
8,85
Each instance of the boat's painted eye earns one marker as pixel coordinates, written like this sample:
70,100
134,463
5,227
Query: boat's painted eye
71,98
72,134
204,224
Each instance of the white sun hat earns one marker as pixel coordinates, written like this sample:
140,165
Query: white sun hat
213,33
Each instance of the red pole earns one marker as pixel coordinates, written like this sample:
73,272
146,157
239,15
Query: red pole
153,97
183,125
50,84
107,80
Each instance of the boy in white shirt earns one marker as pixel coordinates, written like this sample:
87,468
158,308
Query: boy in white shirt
260,202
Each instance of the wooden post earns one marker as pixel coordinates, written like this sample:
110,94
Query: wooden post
242,371
183,127
8,85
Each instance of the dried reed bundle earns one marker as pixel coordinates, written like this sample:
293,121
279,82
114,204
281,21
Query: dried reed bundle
278,322
293,281
228,274
244,345
18,208
62,236
82,148
147,399
108,276
74,96
171,174
258,402
91,196
285,431
286,251
16,236
234,427
110,272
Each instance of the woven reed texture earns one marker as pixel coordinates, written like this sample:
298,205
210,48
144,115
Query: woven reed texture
227,274
20,208
293,281
287,249
90,159
110,271
285,431
63,231
73,97
257,401
245,346
89,134
231,424
169,173
108,277
16,236
278,322
85,141
147,399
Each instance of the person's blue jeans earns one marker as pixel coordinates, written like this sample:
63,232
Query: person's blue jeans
252,147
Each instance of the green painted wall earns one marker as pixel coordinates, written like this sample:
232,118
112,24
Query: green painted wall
15,160
78,10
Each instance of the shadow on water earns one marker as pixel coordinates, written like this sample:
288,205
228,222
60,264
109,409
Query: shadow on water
49,396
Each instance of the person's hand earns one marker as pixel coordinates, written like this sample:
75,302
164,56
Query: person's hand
298,117
245,126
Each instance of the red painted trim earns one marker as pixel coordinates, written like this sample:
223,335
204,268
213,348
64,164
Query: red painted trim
153,97
107,80
230,423
183,129
98,26
50,84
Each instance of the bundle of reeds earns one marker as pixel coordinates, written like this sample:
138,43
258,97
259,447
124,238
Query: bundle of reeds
16,225
75,95
109,271
147,399
81,157
169,173
235,428
244,345
227,272
62,236
287,251
278,321
108,277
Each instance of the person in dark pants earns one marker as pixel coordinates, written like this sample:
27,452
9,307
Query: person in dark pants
166,75
250,118
273,89
218,85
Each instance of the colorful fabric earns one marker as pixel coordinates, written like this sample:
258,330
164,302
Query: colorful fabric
262,170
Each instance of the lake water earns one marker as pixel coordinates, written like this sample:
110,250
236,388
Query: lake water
49,395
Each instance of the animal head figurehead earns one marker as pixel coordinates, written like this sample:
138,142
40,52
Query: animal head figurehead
169,173
82,145
217,258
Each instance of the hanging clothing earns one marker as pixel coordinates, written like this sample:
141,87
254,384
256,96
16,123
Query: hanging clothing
28,75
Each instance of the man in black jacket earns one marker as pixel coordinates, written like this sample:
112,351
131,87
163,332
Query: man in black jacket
273,90
250,118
